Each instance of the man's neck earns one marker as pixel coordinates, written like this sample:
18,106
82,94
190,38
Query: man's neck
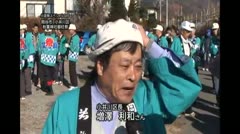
35,34
103,92
22,35
183,38
73,34
159,36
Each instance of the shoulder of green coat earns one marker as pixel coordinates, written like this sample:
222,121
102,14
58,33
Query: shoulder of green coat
41,34
198,40
164,38
152,36
69,98
176,39
76,36
94,35
66,96
28,34
76,39
146,94
64,37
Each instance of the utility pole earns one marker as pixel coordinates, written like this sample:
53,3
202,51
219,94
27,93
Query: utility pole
196,19
208,12
166,12
181,13
160,10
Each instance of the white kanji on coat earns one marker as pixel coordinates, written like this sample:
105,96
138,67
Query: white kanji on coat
83,114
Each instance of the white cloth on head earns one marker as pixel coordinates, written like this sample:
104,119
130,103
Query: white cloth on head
113,33
186,25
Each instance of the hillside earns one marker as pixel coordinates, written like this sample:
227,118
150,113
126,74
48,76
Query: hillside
188,6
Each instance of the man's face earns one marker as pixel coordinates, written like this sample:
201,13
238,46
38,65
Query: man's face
215,31
71,31
58,32
192,33
120,78
21,31
35,29
186,33
169,32
158,33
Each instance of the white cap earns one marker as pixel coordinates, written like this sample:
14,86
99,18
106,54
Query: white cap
21,27
72,26
158,27
215,26
186,25
113,33
48,30
99,26
24,26
192,25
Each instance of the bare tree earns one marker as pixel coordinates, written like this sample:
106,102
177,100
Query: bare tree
89,14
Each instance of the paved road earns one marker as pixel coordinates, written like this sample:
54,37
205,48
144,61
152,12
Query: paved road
207,119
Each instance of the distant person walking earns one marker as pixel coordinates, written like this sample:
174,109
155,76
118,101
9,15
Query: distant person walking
195,50
161,39
73,52
48,55
59,68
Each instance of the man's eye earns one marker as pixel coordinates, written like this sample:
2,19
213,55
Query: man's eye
139,66
124,66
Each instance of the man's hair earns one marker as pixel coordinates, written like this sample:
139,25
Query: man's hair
105,57
125,46
172,28
61,30
35,25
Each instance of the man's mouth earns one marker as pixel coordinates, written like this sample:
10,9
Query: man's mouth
128,88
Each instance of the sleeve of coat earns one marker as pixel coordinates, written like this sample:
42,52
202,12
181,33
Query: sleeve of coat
176,46
214,46
75,44
164,42
62,45
29,43
41,43
176,87
50,126
92,40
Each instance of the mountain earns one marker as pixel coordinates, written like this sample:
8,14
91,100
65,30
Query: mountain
189,7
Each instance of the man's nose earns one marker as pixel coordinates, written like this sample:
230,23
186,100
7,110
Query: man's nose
132,74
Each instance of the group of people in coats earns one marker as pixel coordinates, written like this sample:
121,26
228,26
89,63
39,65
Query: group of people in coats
203,50
118,53
42,58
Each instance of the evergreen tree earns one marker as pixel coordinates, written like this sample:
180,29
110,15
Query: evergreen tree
117,10
143,13
133,12
152,22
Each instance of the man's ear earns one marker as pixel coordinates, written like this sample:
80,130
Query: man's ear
99,68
